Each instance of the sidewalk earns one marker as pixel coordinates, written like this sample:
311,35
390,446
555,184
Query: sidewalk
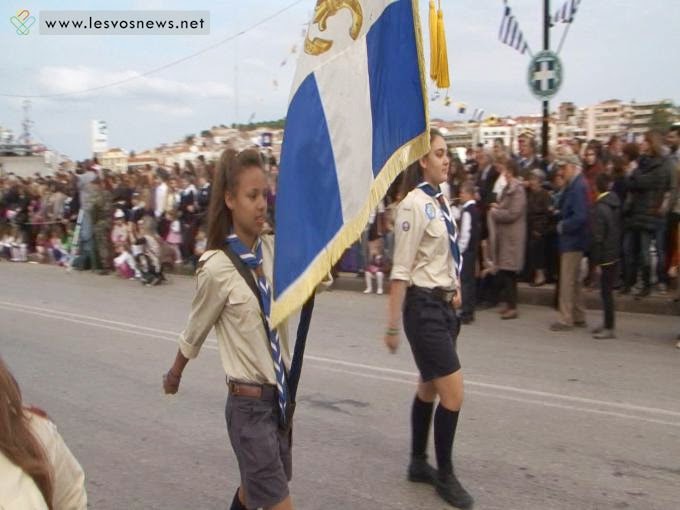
545,296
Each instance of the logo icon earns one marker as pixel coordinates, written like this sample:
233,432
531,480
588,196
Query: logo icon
22,21
325,9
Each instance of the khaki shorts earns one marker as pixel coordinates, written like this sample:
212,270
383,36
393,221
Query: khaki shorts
263,452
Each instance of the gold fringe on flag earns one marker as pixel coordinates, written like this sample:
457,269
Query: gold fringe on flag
442,79
434,57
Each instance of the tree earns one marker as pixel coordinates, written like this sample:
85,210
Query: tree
662,118
206,133
189,139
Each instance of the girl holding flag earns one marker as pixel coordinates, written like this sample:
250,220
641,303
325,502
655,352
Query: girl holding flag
425,290
255,358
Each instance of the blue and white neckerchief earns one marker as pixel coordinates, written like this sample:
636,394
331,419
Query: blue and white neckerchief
453,232
254,261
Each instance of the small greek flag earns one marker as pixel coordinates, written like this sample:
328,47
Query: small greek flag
510,32
357,116
566,13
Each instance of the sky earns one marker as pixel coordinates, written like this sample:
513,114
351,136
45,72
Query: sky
613,49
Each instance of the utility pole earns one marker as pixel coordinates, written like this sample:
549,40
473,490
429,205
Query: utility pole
545,137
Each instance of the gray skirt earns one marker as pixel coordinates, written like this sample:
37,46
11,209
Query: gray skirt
262,450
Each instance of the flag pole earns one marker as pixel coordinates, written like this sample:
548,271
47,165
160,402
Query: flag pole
299,351
546,104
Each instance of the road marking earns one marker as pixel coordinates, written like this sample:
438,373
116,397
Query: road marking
212,345
542,403
81,316
629,407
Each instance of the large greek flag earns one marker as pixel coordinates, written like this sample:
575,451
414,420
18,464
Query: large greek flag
357,117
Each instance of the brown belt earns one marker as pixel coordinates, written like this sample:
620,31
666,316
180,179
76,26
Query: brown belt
251,390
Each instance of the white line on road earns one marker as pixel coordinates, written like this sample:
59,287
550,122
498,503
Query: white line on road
81,316
629,407
134,329
542,403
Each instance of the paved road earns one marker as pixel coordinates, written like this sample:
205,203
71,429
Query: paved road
551,421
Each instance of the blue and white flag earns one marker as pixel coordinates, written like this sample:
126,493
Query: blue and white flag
566,13
357,116
510,32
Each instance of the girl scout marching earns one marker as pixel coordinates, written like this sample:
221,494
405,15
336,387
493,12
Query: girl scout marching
253,356
425,291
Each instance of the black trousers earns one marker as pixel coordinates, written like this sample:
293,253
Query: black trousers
536,255
509,288
607,281
468,284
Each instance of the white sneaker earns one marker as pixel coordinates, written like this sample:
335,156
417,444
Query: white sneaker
368,291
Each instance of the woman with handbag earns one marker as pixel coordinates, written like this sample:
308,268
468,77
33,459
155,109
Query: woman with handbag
509,219
425,291
254,358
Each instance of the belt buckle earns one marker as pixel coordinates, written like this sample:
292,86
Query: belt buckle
233,388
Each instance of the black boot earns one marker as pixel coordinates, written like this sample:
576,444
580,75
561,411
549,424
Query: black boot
420,471
447,485
450,490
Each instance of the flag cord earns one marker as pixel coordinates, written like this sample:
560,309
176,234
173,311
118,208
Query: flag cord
564,36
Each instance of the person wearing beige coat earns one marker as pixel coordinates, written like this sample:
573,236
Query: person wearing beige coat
508,221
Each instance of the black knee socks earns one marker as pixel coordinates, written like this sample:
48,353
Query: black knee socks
421,417
236,503
445,422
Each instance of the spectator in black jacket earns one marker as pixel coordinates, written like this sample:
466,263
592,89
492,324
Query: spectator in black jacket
187,209
486,180
539,211
649,184
605,249
468,243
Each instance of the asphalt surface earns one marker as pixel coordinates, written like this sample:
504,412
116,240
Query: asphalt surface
551,420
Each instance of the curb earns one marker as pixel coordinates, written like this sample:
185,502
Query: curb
545,296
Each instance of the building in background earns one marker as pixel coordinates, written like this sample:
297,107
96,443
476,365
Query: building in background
100,137
115,160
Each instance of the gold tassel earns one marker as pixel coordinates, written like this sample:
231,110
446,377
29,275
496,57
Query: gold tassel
443,81
434,56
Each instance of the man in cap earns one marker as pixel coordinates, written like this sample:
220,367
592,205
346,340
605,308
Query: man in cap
573,242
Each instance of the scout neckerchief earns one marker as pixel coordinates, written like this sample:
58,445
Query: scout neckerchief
453,233
254,262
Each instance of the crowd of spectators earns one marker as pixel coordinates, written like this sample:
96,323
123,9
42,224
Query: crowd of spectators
598,215
135,223
510,210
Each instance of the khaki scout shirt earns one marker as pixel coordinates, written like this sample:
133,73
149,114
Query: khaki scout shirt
223,299
422,253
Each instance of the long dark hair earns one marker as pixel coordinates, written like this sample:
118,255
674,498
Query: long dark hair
229,169
17,441
413,175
